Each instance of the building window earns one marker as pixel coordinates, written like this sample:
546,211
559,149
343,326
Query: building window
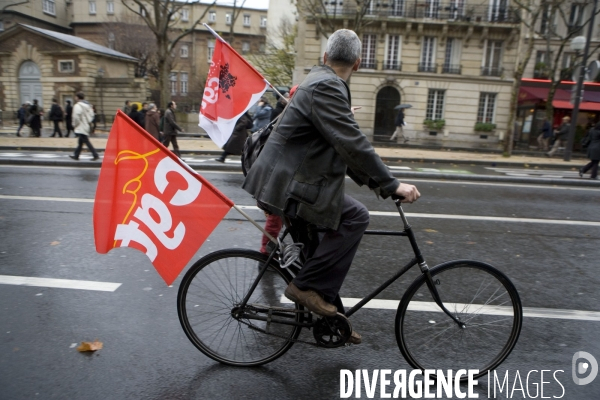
263,21
498,11
432,9
397,8
185,15
452,57
333,7
369,45
246,20
173,81
212,16
427,63
143,12
487,107
211,49
92,7
66,66
548,23
492,59
111,40
392,55
245,47
228,19
49,7
576,19
435,104
184,51
184,83
110,7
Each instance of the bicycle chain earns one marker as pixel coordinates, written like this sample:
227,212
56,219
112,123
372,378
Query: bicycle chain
256,328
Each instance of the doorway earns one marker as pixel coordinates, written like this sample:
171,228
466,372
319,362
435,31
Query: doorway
30,86
385,116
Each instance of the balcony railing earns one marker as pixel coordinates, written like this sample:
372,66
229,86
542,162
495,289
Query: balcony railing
393,65
427,67
451,69
491,71
540,73
432,10
368,64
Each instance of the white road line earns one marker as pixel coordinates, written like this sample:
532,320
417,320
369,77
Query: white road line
59,283
530,312
373,213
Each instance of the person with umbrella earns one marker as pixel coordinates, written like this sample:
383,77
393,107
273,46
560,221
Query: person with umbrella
400,122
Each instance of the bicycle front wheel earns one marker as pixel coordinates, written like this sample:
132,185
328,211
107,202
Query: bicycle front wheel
211,292
477,294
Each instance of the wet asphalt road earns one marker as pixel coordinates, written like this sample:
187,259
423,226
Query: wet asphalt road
146,355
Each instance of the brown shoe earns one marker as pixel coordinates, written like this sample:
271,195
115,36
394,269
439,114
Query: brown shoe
311,300
355,338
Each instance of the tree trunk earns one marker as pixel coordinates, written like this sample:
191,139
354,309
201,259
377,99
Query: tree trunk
163,74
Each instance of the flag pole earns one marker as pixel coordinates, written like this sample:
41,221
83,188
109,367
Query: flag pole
260,228
215,34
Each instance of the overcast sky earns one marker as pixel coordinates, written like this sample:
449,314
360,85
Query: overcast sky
260,4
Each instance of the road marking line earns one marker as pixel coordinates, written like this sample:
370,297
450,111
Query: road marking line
59,283
373,213
530,312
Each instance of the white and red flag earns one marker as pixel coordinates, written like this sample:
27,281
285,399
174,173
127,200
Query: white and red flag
232,87
149,200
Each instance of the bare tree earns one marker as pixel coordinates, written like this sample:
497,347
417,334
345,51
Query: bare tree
325,13
162,17
277,64
235,13
529,13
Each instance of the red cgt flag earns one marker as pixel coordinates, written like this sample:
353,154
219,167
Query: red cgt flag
232,87
150,200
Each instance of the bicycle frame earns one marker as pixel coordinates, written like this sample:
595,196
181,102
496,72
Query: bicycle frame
417,260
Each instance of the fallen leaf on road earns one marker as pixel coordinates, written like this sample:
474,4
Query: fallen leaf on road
429,230
90,346
54,243
428,242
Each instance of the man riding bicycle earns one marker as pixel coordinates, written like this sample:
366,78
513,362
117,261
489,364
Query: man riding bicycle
301,171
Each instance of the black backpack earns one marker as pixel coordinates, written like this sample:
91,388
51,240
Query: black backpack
254,145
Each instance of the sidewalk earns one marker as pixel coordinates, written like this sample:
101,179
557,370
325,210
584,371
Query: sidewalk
195,145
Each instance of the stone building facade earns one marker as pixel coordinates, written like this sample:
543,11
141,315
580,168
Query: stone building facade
450,60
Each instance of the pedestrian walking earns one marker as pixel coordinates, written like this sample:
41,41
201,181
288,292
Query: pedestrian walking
152,124
68,118
35,119
235,144
56,116
560,135
399,132
135,115
281,103
143,112
593,153
171,128
83,115
262,116
545,135
126,108
21,115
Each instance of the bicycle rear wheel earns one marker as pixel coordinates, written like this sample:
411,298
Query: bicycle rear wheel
212,289
481,297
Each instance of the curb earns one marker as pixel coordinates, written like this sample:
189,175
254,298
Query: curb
398,174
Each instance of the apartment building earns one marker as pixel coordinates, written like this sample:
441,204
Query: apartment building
452,60
115,29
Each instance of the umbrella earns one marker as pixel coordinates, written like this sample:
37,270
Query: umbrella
403,106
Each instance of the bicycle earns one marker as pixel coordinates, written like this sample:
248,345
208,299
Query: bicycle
460,314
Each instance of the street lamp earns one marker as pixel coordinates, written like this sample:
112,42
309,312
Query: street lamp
101,76
577,44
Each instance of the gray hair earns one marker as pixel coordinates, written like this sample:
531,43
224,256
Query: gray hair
343,48
151,106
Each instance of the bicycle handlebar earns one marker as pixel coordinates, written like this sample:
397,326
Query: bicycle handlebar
396,197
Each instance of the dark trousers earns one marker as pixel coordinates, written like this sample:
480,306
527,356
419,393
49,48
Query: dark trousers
593,165
81,140
172,139
56,129
21,124
325,269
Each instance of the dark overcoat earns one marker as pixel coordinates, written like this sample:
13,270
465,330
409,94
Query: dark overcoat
593,150
235,144
316,142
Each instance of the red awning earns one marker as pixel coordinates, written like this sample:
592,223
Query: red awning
584,106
